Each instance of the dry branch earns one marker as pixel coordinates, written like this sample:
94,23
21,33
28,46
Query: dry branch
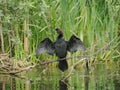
84,58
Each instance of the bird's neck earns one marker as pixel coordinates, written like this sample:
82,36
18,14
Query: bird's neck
60,36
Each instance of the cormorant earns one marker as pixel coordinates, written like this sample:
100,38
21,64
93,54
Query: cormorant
60,48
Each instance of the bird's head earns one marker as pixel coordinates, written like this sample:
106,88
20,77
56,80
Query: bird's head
60,32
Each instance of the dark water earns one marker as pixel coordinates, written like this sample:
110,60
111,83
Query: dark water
101,76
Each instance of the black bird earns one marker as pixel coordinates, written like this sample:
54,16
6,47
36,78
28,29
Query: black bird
60,48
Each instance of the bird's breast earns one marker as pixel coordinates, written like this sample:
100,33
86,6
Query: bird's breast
61,48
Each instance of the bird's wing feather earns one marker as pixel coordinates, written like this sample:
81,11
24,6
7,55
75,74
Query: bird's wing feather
75,44
46,46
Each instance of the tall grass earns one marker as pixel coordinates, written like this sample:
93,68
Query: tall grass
24,24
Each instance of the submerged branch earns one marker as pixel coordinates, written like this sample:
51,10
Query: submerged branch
72,68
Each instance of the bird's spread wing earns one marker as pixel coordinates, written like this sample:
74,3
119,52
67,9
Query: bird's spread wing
46,46
75,44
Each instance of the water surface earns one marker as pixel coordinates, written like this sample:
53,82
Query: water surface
101,76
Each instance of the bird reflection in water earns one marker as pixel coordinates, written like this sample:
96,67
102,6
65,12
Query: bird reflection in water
63,85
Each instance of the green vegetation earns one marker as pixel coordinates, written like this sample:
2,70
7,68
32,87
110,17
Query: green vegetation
24,23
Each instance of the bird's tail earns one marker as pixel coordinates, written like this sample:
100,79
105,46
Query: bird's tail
63,65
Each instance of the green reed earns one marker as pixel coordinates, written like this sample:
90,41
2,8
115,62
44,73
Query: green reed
25,23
